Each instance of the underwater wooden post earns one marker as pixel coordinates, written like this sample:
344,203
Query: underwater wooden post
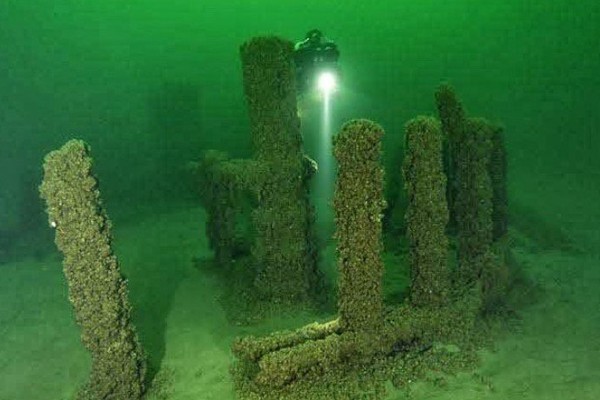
359,203
498,176
453,118
474,198
218,198
427,212
97,290
495,274
284,247
224,185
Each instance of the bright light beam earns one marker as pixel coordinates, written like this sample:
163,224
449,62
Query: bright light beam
326,83
326,174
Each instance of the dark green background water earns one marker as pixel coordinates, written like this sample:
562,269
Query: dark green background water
149,84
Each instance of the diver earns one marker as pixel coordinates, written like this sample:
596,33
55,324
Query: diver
312,56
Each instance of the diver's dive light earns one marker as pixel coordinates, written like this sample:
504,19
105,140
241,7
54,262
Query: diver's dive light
327,82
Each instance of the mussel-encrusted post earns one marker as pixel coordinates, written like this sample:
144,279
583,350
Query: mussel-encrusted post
284,246
359,204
